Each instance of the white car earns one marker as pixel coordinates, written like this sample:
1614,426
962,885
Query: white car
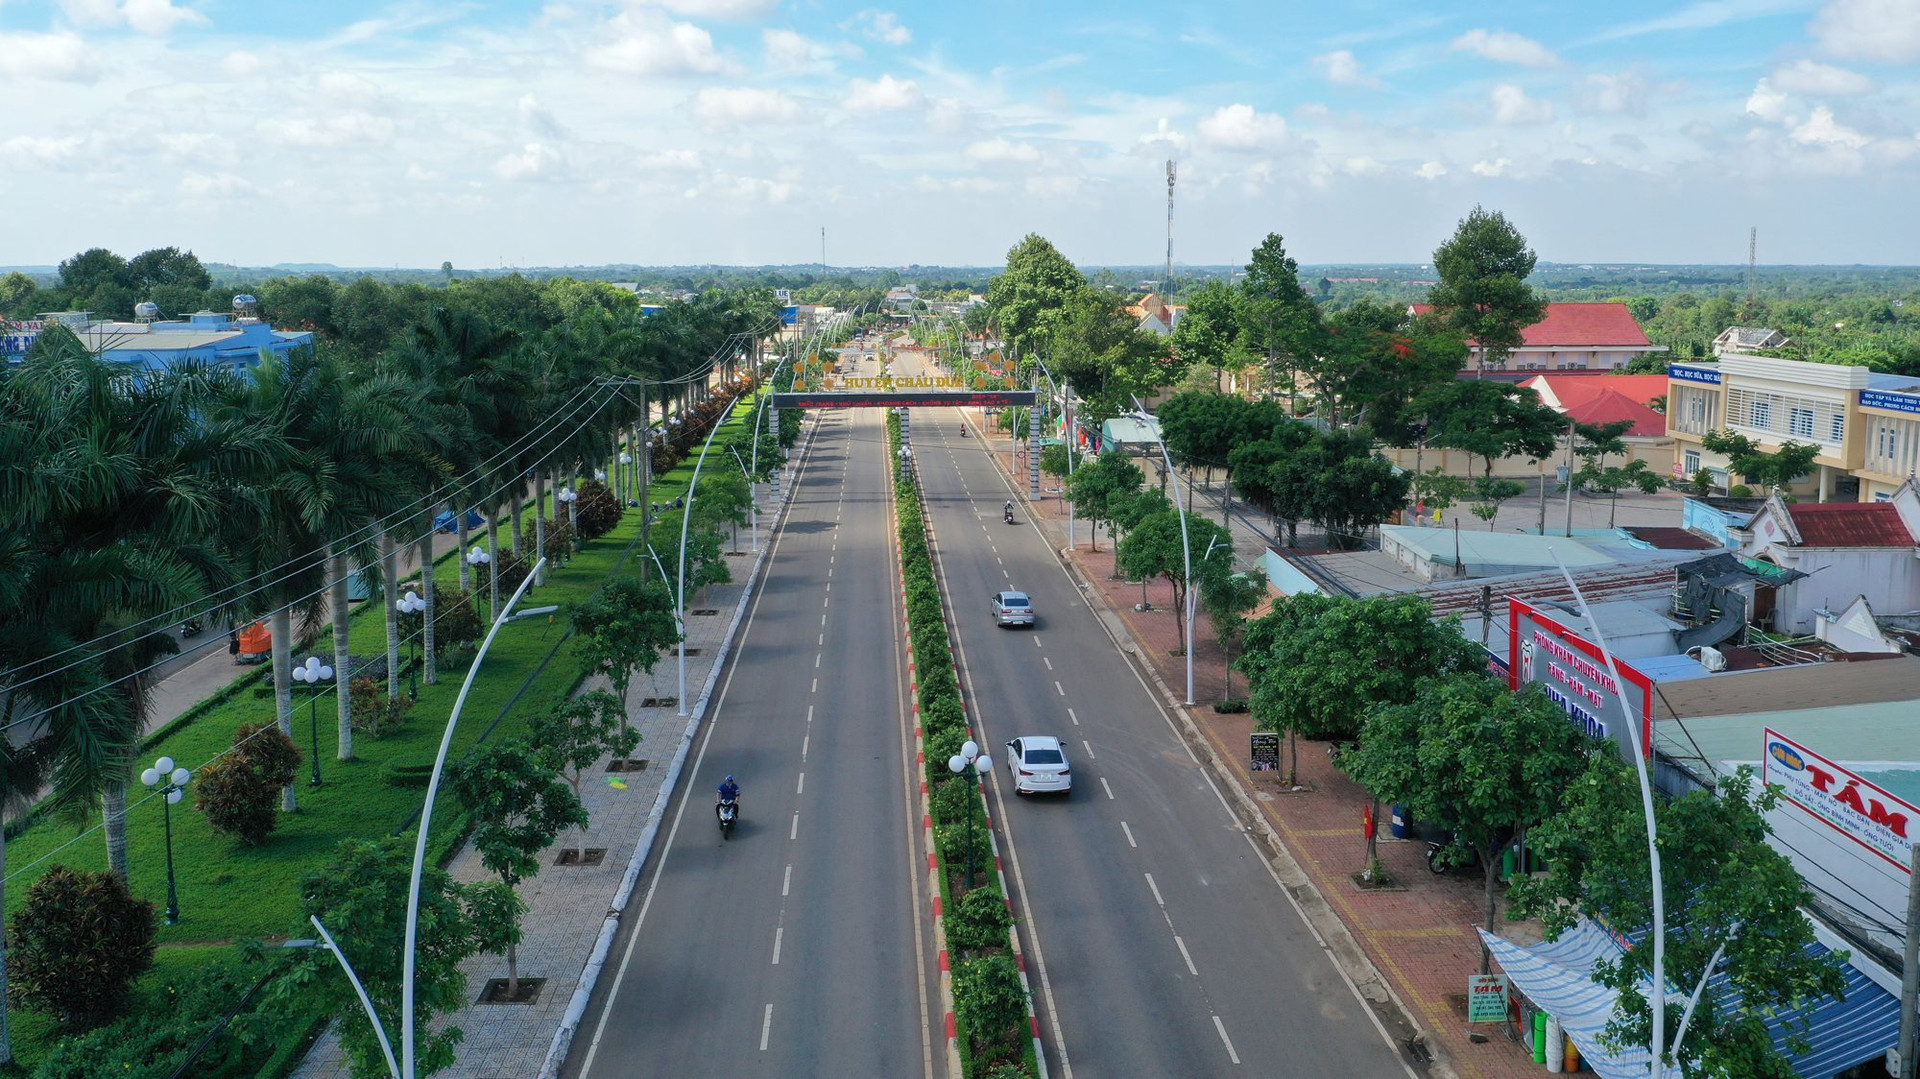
1038,765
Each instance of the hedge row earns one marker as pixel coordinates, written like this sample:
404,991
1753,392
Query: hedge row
990,1003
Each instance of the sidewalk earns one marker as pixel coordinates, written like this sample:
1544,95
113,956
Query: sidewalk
571,910
1418,935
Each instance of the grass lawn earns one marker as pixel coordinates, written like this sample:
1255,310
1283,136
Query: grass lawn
230,892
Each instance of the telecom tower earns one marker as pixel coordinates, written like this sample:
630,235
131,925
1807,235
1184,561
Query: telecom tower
1753,251
1170,177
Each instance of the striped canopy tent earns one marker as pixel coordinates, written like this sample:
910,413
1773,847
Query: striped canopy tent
1557,977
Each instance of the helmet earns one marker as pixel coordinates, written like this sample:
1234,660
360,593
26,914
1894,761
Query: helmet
729,779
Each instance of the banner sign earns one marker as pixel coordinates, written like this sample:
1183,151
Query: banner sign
1693,374
1573,674
929,399
1892,402
1266,751
1864,813
1486,998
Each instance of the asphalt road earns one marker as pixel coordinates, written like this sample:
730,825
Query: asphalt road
801,946
1158,940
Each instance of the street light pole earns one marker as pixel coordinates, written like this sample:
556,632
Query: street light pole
970,759
753,512
686,516
426,821
170,783
1186,544
571,498
410,604
313,672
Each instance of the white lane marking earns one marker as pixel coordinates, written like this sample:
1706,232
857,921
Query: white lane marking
1072,716
1105,787
830,559
804,739
809,713
816,660
824,600
779,933
1155,889
1089,746
1036,640
829,573
1047,661
1000,560
794,832
802,787
816,686
786,880
1222,1028
822,642
829,583
823,619
766,1025
1176,939
1124,828
1058,688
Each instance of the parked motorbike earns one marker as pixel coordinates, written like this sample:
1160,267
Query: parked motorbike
1436,865
728,811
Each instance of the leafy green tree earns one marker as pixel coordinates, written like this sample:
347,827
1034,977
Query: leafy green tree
1277,318
17,294
361,897
1489,493
1347,488
1490,420
1483,292
86,273
622,628
1054,458
724,499
1470,756
1202,429
1029,296
519,807
1098,348
1209,335
1227,599
1156,547
1097,489
1259,475
1375,360
1436,490
1613,479
1726,888
1773,471
78,943
574,736
237,790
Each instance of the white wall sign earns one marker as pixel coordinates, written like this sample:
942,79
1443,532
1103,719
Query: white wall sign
1864,813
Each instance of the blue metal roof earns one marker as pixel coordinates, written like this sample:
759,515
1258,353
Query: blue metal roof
1556,975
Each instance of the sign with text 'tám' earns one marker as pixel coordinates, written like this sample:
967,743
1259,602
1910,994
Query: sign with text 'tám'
1864,813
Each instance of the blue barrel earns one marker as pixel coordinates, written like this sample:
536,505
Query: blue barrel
1402,822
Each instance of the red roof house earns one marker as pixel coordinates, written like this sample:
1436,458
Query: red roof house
1585,399
1573,337
1849,524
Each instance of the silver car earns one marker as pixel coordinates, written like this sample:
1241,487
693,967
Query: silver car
1012,609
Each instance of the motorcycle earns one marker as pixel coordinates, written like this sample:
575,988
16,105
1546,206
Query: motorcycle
191,628
1008,516
728,811
1437,865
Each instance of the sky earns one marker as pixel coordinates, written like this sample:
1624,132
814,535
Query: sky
664,132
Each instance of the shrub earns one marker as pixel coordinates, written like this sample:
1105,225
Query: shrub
937,682
410,771
942,714
1739,490
77,944
1007,1069
951,799
1230,708
373,713
952,839
597,510
990,1002
979,921
560,534
152,1042
239,790
941,747
456,624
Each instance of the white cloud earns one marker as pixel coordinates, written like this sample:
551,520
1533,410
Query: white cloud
956,185
1430,170
882,26
683,161
45,149
790,50
648,43
999,151
339,129
1341,69
242,64
1821,129
1622,93
1767,103
420,174
1885,30
217,185
1505,48
1361,165
1809,77
539,120
146,16
885,94
1511,105
1240,127
716,9
198,146
1496,167
723,106
748,188
535,160
346,86
1162,140
60,56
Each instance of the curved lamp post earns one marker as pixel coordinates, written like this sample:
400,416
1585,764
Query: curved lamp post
970,759
409,604
478,557
315,673
1186,544
171,783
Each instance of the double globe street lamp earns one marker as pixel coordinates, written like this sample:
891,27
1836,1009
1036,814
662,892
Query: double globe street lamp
315,674
412,604
970,758
476,558
171,783
571,498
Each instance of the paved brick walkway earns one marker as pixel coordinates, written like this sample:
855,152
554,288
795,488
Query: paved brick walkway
1420,934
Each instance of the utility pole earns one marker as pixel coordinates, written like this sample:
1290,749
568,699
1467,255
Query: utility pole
1569,532
1909,1068
1171,169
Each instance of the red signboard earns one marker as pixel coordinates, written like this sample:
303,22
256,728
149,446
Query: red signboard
927,399
1571,671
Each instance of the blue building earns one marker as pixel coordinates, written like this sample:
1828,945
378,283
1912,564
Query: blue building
231,340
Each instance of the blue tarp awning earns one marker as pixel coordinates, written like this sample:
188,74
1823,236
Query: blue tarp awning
1557,977
446,522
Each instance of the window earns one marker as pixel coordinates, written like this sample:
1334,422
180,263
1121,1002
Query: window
1690,461
1839,429
1800,422
1697,407
1886,442
1760,414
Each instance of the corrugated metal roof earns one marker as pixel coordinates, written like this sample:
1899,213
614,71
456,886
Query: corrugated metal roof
1797,688
1849,524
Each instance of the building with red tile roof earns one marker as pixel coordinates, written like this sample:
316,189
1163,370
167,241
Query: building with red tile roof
1572,337
1847,549
1596,401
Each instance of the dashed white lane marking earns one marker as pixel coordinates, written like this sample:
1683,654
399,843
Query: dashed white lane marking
824,600
801,788
830,559
786,881
1072,716
1089,746
804,739
1155,889
1047,661
1123,827
816,660
1104,786
822,642
766,1027
1222,1028
816,686
1036,640
1191,969
829,587
1058,688
779,933
794,831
